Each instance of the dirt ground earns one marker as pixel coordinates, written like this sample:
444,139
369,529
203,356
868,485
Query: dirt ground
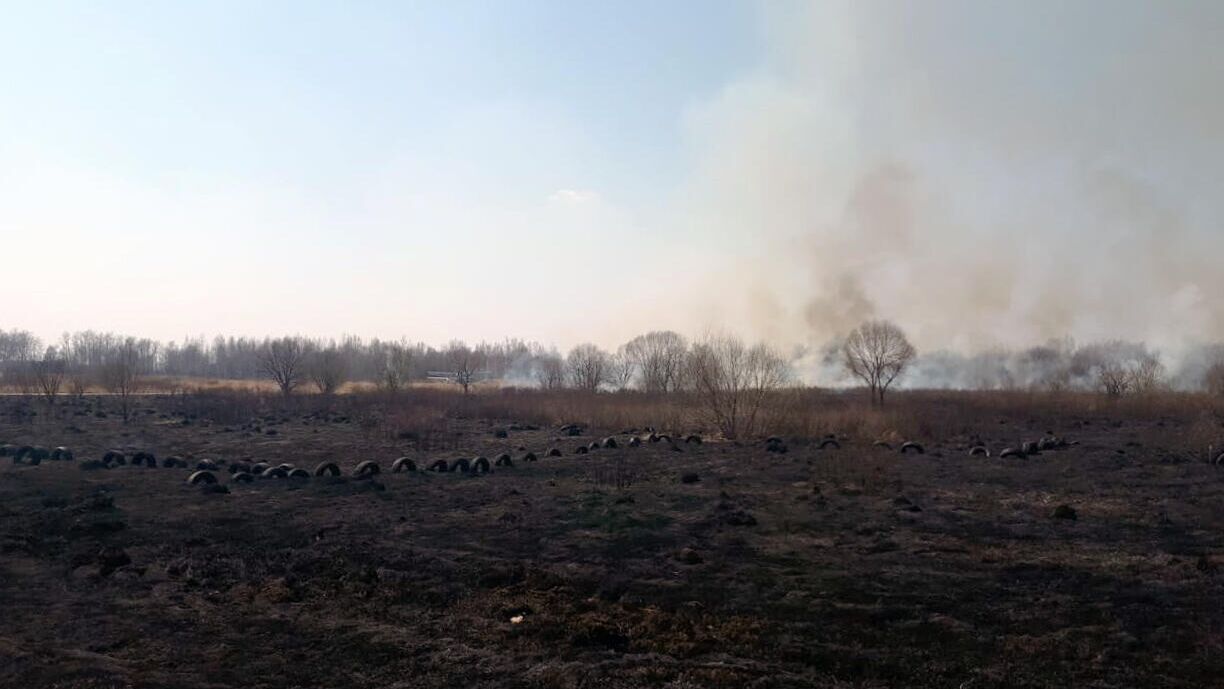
850,567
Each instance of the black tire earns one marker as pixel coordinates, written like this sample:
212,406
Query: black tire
367,468
242,477
438,465
906,448
553,452
327,469
299,473
635,441
1011,452
198,477
403,464
529,457
693,439
480,465
830,442
580,450
503,460
979,451
610,443
274,472
461,464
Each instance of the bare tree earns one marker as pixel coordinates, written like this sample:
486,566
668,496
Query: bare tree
1147,374
283,360
328,370
121,374
466,364
587,366
48,374
620,371
877,352
550,371
733,380
397,370
658,359
1213,379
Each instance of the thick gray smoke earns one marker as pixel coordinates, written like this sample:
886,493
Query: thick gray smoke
989,176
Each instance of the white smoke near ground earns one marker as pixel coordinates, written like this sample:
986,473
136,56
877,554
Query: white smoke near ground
989,176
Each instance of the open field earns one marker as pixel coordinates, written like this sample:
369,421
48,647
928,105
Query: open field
672,564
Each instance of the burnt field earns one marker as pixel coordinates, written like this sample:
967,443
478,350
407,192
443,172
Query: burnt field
1095,563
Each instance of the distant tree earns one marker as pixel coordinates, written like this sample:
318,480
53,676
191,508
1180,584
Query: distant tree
658,359
397,369
328,370
620,371
587,366
1213,379
48,374
732,380
466,364
550,371
1147,374
877,352
121,374
283,360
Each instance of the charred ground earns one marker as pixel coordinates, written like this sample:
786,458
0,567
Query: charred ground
667,564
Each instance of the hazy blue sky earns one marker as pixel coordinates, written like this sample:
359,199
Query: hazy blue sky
982,172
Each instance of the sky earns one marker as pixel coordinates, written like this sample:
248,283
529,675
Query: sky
983,173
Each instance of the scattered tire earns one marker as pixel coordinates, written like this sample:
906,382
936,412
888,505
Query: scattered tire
664,438
652,438
61,454
367,468
979,451
114,457
144,459
287,467
689,478
299,474
501,433
503,460
258,468
529,457
172,461
274,472
460,464
882,444
635,441
832,442
199,477
610,443
594,445
438,465
403,464
774,444
553,452
1030,448
481,465
1011,452
242,477
1064,512
7,450
206,465
327,469
912,447
693,439
33,460
580,450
